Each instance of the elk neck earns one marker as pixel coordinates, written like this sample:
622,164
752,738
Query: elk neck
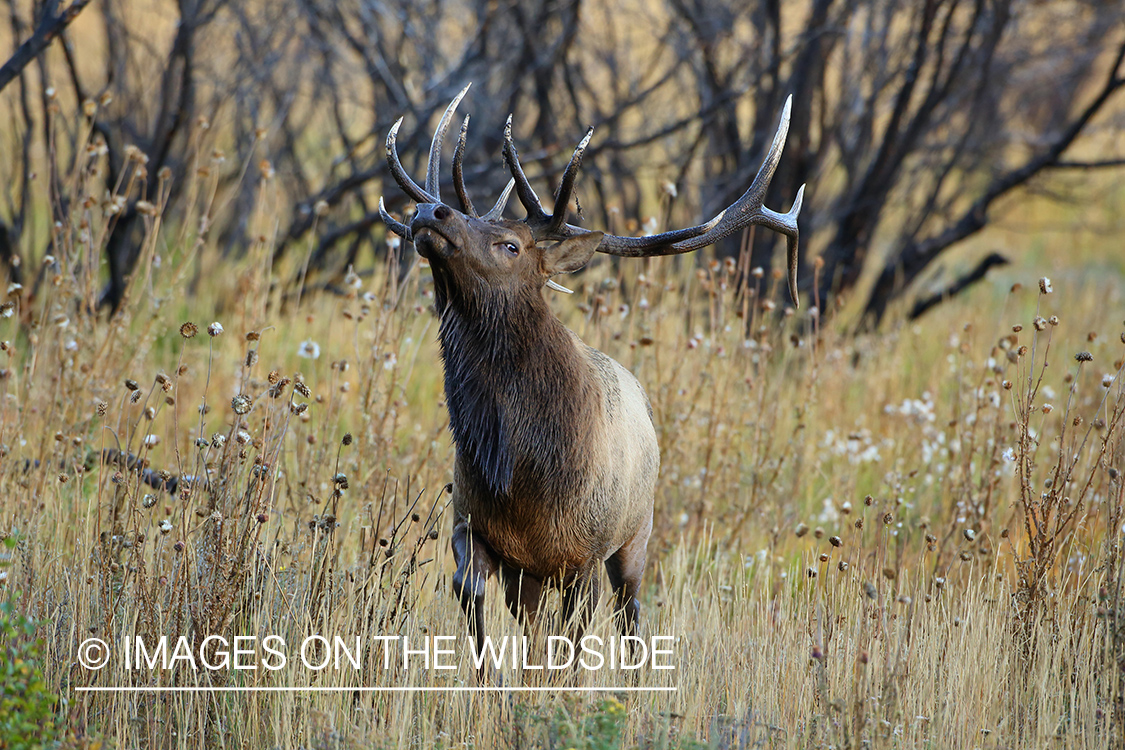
524,402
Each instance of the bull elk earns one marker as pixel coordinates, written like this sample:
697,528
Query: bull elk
556,455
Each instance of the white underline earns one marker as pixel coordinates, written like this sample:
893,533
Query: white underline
364,689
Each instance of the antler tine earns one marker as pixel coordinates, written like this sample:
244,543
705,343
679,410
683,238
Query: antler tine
409,186
566,187
458,171
535,213
761,183
792,241
745,211
433,166
397,227
497,211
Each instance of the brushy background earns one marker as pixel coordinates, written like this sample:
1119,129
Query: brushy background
901,538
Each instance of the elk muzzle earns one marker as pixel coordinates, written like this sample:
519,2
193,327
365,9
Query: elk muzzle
438,231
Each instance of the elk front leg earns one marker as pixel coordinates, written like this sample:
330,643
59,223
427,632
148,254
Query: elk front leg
475,565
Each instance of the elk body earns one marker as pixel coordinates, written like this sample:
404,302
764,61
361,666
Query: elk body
556,454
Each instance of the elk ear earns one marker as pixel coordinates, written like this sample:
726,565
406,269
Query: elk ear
571,254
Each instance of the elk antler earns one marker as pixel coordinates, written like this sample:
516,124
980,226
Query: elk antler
746,211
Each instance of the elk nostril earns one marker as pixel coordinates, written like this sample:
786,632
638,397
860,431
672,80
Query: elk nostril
442,213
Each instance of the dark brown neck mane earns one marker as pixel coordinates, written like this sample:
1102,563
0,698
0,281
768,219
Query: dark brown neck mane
524,404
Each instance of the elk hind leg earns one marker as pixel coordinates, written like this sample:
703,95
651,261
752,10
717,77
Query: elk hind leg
522,594
625,568
579,598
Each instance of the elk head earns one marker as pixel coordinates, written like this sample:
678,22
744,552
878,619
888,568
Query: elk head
489,251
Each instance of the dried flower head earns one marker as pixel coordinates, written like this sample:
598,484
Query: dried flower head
215,329
1084,357
1045,285
241,404
347,440
278,388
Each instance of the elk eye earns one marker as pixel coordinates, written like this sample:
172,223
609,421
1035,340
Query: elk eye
511,247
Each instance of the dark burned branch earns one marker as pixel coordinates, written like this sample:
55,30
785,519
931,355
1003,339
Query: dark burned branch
1097,164
333,238
331,195
159,480
961,284
50,26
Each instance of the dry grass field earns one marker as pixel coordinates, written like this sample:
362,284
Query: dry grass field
901,540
